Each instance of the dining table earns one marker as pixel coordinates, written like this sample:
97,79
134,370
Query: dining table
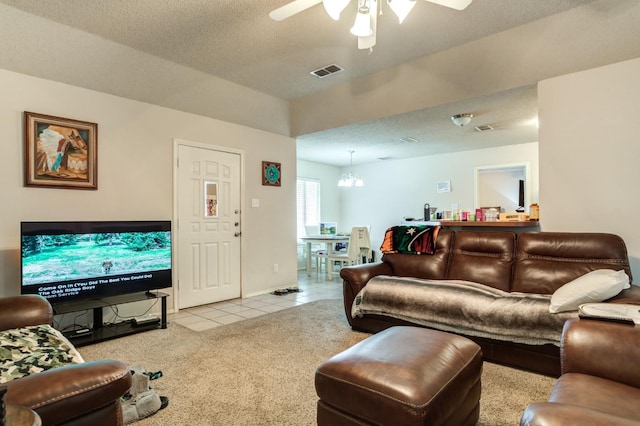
329,241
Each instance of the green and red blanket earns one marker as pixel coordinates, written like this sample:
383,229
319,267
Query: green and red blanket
410,239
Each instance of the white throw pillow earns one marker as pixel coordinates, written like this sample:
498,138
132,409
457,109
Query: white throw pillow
595,286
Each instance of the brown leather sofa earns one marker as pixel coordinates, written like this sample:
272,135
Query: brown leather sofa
530,262
78,394
600,381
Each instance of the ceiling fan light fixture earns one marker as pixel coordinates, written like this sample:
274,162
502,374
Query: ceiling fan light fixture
365,25
362,25
401,8
461,119
334,7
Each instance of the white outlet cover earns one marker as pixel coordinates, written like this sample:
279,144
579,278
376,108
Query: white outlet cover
255,202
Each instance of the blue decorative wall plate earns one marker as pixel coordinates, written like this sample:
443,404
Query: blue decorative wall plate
271,173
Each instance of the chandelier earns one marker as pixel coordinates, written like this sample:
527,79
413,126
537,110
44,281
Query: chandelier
351,179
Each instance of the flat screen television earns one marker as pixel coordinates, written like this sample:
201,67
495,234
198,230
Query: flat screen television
70,261
520,196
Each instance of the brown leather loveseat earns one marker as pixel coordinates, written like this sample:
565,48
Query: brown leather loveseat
78,394
529,263
600,382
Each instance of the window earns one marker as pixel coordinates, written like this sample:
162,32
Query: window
308,204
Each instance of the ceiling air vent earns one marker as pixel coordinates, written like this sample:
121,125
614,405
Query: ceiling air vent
483,128
409,139
327,71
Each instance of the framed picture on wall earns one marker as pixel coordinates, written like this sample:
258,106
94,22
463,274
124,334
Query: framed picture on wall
60,152
271,173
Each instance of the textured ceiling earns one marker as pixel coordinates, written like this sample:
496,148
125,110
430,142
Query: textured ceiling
237,41
512,114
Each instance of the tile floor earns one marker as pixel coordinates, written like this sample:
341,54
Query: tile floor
314,287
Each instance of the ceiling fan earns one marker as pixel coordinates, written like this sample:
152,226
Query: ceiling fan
365,25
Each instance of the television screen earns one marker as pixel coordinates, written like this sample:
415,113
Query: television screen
521,193
65,261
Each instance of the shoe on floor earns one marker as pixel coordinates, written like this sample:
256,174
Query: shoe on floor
141,400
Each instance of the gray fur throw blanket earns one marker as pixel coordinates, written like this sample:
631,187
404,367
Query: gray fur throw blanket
463,307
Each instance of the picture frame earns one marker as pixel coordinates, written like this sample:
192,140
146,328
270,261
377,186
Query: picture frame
271,173
60,152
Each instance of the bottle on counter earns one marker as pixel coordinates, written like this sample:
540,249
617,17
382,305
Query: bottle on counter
534,211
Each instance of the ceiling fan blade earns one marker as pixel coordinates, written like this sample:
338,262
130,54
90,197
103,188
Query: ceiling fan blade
453,4
292,8
370,41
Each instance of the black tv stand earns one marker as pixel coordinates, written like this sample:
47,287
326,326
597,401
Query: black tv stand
102,331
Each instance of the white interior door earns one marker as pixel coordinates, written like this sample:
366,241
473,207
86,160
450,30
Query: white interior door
208,225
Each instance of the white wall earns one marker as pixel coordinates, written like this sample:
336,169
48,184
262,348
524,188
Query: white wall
135,152
589,151
399,188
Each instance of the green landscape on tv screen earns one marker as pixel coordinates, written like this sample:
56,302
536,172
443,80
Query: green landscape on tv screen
69,257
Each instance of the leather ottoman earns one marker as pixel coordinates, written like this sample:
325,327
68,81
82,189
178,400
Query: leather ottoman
402,376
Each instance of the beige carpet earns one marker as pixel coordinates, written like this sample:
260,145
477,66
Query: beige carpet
260,371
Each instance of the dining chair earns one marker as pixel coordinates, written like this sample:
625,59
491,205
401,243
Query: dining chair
358,249
317,250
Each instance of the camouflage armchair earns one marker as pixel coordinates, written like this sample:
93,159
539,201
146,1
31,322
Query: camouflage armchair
44,372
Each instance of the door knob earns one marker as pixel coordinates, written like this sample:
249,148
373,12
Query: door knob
237,234
236,224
